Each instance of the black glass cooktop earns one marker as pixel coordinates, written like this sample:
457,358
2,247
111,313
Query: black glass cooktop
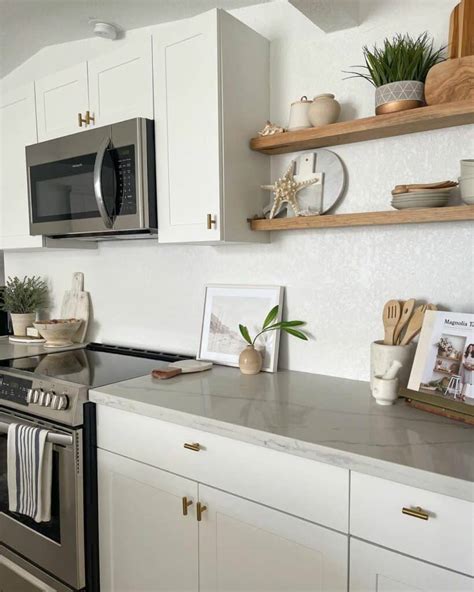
96,365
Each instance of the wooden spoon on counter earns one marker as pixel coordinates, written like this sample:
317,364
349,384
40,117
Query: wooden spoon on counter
407,309
414,326
390,317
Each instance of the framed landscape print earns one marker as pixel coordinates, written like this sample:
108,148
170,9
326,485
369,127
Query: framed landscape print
225,306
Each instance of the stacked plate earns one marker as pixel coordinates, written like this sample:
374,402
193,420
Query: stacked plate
425,198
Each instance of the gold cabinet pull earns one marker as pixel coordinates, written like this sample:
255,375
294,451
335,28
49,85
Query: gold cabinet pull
416,513
80,119
211,222
195,446
199,510
89,118
186,504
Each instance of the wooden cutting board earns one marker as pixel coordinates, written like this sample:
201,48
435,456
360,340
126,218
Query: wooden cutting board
453,80
76,306
450,81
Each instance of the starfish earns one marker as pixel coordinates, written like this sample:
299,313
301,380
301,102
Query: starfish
285,190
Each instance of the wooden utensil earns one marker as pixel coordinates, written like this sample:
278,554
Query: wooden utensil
414,187
453,80
407,309
414,326
76,306
182,367
391,316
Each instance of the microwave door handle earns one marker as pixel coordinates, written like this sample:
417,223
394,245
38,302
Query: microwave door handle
99,197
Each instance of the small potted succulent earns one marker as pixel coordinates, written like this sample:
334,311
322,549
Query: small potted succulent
250,360
398,71
22,298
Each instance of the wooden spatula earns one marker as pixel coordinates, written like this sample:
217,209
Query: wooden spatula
414,326
407,309
391,316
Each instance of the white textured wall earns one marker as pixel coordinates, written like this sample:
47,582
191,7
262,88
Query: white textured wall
336,279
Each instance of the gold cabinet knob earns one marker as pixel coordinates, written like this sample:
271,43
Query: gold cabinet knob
186,504
416,513
194,446
200,508
211,222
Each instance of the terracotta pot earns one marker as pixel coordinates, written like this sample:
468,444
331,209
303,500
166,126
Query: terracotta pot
324,110
399,96
20,322
250,360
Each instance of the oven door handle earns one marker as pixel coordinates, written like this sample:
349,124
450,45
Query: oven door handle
99,196
53,437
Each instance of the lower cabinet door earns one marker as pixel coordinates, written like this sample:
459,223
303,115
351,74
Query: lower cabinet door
247,547
146,543
374,569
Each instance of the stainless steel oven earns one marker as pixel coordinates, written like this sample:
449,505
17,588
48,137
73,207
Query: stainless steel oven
54,547
99,183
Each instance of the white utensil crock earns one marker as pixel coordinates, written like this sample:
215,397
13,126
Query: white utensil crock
382,356
299,118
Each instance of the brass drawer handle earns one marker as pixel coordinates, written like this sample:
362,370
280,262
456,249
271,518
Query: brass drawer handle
195,446
186,504
416,513
199,510
89,118
80,119
211,222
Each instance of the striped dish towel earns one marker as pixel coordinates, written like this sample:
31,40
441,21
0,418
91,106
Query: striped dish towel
30,464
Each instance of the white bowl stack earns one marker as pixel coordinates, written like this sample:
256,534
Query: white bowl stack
466,181
421,198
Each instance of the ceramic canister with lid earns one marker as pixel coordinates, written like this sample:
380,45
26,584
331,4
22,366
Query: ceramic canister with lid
299,114
324,110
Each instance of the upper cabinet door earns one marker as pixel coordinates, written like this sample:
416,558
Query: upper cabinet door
60,98
17,130
248,547
121,83
187,114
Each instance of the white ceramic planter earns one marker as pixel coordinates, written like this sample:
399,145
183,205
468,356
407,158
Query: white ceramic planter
382,356
21,322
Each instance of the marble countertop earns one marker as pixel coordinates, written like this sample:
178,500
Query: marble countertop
10,350
328,419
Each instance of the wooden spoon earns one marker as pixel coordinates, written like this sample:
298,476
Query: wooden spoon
390,317
407,309
414,326
407,188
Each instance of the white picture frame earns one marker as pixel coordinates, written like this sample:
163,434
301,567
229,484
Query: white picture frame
227,306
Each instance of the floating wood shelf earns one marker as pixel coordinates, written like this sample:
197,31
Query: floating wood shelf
368,128
409,216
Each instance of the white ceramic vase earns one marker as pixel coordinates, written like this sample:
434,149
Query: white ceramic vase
21,322
324,110
382,356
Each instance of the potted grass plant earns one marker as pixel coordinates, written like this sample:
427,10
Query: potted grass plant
22,298
250,360
398,70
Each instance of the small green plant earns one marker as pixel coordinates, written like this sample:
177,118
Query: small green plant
270,325
24,296
399,58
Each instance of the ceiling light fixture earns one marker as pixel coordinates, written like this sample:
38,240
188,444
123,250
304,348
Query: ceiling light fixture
105,30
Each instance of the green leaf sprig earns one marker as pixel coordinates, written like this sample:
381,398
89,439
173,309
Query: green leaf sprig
399,58
270,325
24,296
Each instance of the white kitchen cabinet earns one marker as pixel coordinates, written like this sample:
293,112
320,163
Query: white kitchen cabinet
374,569
146,543
60,98
121,83
17,130
247,547
211,89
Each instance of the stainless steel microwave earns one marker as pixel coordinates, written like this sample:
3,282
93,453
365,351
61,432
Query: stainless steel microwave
95,184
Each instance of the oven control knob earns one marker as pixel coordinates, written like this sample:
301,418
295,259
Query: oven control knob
41,398
55,402
29,395
35,398
63,402
48,396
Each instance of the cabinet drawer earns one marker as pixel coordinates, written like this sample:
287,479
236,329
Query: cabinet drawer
445,538
302,487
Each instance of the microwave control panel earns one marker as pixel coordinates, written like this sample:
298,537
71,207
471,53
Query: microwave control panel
125,167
